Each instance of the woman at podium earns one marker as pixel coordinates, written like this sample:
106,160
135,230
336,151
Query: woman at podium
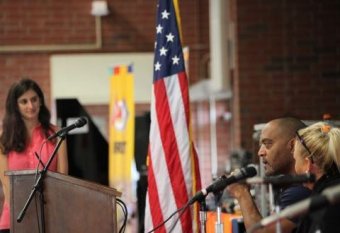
23,141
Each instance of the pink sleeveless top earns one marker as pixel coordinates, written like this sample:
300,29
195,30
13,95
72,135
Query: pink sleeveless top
27,160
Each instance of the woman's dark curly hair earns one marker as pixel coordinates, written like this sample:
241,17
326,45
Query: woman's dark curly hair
14,133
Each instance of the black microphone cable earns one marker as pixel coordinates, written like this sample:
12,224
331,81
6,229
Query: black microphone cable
166,220
125,212
180,211
40,196
179,217
217,186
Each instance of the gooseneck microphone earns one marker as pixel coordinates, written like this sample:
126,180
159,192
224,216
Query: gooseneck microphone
199,196
282,179
223,182
77,124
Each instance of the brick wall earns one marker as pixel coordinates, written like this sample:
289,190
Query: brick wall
201,122
130,27
287,55
15,66
287,61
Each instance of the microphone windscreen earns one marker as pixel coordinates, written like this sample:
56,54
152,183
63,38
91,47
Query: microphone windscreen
251,171
80,122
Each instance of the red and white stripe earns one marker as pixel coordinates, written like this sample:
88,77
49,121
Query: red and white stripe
171,163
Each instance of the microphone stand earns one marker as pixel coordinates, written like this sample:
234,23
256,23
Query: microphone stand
218,223
39,187
276,206
203,216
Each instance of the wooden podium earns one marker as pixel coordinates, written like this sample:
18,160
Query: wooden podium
71,205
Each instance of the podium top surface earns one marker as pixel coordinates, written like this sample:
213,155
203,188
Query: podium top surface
69,179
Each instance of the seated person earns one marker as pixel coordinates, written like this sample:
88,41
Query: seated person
317,150
276,150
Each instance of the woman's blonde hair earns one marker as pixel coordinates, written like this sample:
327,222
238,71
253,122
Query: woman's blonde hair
323,142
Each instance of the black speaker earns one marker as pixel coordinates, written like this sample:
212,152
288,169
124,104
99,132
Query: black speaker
88,152
142,130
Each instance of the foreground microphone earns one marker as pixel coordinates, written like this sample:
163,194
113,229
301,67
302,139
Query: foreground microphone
282,179
223,182
328,197
79,123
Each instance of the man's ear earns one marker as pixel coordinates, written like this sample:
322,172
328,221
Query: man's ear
291,144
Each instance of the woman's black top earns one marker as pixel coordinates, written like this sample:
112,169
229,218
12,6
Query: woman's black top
327,218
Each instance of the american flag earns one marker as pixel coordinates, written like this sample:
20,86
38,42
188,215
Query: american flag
173,173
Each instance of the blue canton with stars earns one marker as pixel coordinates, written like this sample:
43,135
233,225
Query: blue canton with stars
168,50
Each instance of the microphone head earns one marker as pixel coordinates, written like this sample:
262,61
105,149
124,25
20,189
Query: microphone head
245,172
80,122
250,171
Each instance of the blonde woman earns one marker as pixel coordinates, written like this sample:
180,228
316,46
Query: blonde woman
317,150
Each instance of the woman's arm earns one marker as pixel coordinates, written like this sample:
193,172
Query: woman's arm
62,158
4,179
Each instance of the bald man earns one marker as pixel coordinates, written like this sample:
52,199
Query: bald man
276,150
